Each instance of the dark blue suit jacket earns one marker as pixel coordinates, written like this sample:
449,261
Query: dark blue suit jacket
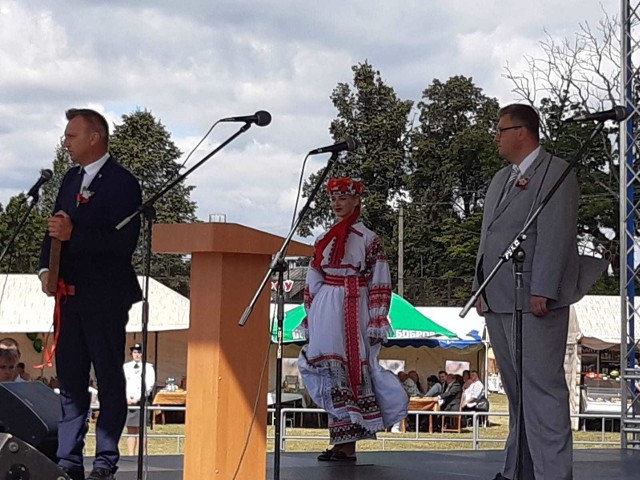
97,257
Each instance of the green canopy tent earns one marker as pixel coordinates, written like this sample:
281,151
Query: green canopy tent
408,324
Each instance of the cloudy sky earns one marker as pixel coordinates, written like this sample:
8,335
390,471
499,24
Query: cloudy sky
193,62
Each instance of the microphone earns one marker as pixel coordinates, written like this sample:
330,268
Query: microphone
617,114
349,145
45,176
260,118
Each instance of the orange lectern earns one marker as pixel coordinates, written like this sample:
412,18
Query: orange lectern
224,360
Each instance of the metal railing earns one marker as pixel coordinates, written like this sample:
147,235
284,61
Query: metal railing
475,440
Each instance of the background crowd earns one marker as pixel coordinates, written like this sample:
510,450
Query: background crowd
450,391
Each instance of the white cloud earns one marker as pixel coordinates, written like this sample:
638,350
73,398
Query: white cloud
193,62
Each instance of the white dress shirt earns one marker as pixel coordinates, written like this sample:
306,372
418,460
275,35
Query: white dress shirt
133,376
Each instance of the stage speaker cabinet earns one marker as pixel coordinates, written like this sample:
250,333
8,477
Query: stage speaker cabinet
20,461
30,411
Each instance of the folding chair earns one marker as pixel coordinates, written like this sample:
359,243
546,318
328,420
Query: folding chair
455,423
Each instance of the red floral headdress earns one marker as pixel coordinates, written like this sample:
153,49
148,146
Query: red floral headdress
345,186
339,186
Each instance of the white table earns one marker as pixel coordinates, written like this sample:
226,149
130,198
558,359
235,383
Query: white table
291,398
286,398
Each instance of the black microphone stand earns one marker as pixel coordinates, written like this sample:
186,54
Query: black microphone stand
147,211
279,265
511,253
35,196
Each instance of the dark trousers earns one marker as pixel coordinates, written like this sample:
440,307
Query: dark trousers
86,338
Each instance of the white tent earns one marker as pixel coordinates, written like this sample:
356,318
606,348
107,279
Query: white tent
24,308
598,321
594,322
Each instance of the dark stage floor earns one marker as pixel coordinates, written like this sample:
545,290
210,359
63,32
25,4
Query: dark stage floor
455,465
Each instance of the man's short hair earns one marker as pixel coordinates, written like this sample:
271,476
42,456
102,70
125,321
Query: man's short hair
442,371
97,122
9,343
9,354
523,115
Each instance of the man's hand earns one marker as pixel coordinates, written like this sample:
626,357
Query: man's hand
374,341
44,279
538,306
60,226
479,307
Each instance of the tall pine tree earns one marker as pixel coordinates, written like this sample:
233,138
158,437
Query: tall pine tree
143,145
372,113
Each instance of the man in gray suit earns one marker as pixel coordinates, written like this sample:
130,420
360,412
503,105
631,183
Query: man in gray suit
551,283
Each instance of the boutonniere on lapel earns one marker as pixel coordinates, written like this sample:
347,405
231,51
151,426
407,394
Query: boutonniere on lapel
84,196
521,183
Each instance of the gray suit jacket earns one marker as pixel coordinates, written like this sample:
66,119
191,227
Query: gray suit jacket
552,267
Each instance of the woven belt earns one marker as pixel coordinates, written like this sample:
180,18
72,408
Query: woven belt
340,280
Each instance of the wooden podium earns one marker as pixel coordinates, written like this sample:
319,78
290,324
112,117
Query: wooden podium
224,360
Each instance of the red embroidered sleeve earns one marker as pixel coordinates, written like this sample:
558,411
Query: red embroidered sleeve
379,291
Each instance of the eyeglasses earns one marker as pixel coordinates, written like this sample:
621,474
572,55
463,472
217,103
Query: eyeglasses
504,129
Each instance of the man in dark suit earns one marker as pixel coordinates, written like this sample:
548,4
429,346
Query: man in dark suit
449,400
97,287
553,278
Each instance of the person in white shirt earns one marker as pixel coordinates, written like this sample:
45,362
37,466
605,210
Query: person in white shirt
473,392
133,377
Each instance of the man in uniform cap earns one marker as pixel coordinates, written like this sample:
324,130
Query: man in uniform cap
133,376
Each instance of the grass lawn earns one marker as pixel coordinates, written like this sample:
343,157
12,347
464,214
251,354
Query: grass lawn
497,431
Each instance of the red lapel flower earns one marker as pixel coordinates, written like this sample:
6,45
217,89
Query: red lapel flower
521,183
83,196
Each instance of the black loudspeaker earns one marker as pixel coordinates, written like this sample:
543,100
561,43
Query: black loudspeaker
30,411
20,461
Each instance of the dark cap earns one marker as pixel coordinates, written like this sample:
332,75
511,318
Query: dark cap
136,346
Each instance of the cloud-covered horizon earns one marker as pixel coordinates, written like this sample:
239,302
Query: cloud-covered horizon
191,63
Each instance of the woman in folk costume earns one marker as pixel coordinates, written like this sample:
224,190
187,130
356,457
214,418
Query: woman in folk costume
347,297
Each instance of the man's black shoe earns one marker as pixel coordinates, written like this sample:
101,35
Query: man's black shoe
101,474
74,474
499,476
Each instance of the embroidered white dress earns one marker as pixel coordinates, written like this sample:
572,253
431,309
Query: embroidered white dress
347,304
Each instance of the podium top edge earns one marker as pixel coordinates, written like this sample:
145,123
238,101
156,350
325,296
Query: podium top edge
220,238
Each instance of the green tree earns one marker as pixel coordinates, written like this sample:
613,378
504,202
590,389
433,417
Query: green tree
370,112
452,163
143,145
24,255
61,163
578,75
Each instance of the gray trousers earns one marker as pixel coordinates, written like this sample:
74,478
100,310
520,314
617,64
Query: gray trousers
547,439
